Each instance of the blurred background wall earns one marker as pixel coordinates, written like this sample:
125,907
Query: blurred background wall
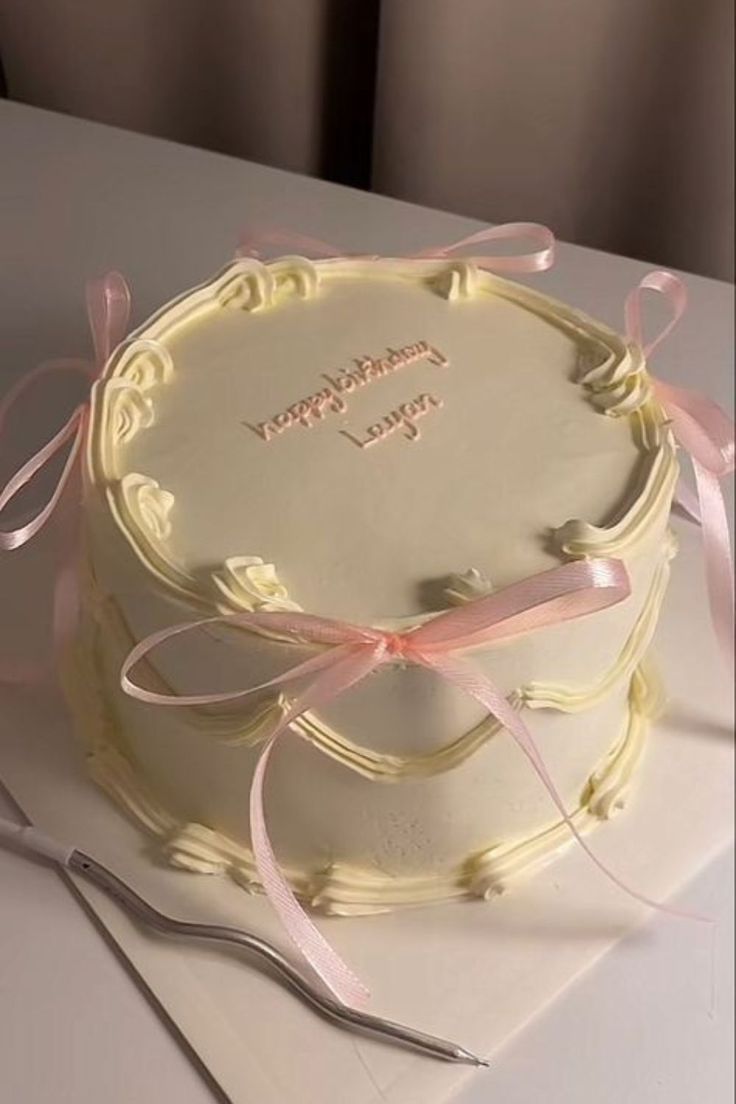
610,120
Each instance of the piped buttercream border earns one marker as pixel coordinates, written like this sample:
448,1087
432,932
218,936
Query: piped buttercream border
123,402
346,889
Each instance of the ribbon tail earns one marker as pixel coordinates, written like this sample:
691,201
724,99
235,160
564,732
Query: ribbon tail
473,682
41,371
324,960
65,590
718,559
74,429
302,931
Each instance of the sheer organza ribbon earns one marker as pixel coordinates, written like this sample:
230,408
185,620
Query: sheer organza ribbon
706,433
349,653
108,310
253,239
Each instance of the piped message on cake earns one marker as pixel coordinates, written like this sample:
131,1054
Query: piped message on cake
404,419
338,391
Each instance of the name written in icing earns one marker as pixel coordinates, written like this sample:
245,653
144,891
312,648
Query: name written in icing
404,417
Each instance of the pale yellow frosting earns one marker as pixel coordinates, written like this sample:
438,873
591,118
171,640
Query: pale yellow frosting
375,440
343,888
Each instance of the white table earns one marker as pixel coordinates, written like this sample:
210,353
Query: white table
76,199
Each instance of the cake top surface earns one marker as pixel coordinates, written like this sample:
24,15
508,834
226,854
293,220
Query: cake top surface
369,439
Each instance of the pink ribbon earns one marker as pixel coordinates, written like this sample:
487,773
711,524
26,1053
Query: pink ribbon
706,433
252,239
350,653
108,309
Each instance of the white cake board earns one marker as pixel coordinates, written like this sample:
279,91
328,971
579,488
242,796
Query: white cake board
475,973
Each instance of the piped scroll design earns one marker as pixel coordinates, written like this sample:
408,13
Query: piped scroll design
624,396
458,281
605,793
145,363
130,410
253,286
146,505
467,586
621,387
125,404
577,538
247,583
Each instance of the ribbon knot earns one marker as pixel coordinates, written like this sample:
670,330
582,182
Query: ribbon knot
396,644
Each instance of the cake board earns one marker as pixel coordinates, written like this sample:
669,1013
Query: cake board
474,972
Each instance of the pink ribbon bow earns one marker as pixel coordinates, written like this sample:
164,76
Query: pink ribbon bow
252,239
706,433
108,309
350,653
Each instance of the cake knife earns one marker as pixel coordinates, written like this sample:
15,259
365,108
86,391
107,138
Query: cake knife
36,843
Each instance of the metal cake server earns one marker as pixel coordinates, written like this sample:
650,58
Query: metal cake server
31,840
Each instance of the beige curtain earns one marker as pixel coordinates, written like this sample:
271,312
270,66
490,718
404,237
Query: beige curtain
611,120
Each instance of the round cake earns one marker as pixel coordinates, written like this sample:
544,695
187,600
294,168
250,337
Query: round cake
373,440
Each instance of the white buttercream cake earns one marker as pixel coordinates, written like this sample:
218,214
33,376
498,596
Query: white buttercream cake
374,440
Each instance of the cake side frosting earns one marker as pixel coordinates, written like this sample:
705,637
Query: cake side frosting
346,887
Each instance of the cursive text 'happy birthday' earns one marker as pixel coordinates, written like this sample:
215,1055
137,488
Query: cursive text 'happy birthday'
331,399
